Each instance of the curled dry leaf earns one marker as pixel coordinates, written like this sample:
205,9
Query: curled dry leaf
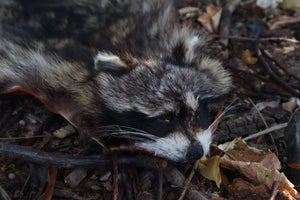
259,174
211,19
257,166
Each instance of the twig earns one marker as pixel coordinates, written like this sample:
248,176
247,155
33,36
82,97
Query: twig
265,123
66,161
23,138
269,56
188,180
4,194
268,130
177,179
159,185
256,39
263,96
23,187
51,184
276,78
116,185
259,113
126,182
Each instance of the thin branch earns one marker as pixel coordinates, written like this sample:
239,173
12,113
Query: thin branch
257,39
269,56
266,124
177,179
116,182
66,161
159,184
127,183
188,180
276,78
3,194
268,130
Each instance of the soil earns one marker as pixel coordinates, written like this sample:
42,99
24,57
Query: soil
25,121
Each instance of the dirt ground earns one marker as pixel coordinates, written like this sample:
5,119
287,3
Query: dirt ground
261,49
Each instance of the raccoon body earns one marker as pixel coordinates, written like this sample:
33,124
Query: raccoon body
141,81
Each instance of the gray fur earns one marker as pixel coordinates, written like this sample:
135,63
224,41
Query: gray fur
145,64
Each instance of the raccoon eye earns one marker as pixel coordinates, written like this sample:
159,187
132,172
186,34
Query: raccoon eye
203,110
167,118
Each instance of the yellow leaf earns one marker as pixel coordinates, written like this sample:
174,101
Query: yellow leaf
248,58
210,169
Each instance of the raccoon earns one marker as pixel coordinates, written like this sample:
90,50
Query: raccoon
124,72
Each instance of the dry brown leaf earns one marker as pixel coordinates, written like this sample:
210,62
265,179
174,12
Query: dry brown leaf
240,151
248,58
210,169
290,4
290,105
257,166
282,21
242,189
259,174
211,19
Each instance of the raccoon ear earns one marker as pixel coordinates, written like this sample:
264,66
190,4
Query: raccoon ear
109,62
184,51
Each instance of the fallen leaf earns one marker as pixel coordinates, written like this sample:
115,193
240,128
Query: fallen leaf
254,164
259,174
211,19
290,105
282,21
240,151
248,58
242,189
290,4
210,169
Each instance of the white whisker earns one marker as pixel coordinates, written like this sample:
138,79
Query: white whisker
125,132
229,107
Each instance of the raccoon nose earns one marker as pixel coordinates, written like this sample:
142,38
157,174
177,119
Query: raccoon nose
194,152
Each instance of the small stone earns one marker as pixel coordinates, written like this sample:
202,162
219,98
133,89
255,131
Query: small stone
22,123
11,176
75,177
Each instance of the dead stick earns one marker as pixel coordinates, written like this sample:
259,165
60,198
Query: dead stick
3,194
256,39
177,179
276,78
268,130
66,161
269,56
127,183
116,182
266,124
188,180
160,184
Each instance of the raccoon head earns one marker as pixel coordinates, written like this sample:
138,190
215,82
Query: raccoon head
160,104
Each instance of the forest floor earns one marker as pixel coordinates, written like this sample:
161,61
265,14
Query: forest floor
260,47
